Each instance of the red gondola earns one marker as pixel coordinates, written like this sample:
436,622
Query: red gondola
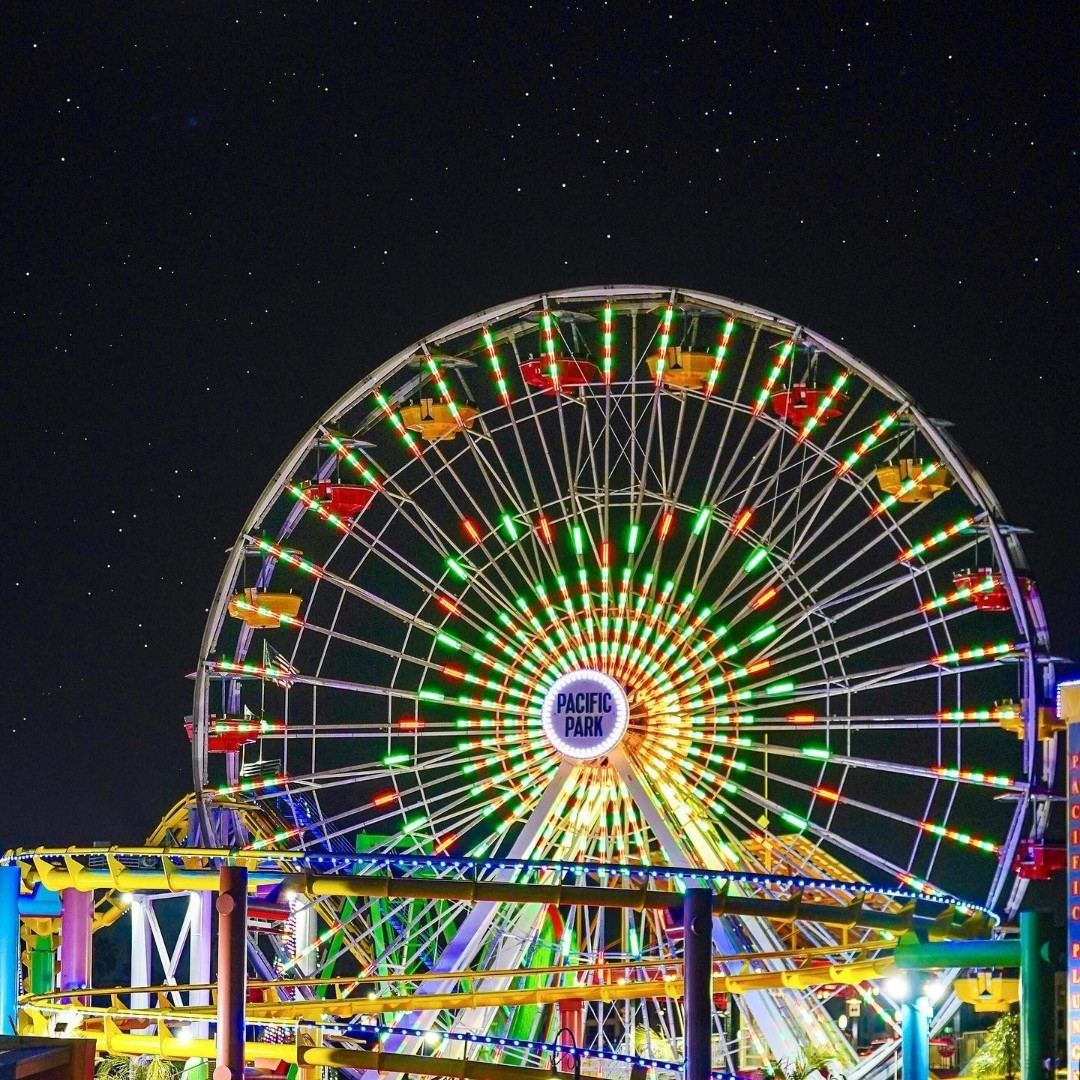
995,598
1037,860
571,373
229,735
344,500
801,402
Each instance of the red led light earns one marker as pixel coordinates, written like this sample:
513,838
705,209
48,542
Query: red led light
763,598
742,519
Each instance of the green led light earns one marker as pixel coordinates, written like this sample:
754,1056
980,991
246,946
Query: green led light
701,520
780,688
755,560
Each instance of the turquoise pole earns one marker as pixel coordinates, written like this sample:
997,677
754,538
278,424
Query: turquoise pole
9,948
915,1038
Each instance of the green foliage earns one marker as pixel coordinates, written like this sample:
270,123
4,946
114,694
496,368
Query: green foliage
999,1054
809,1061
140,1068
653,1044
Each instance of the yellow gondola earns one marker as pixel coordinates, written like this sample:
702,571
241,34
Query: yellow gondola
431,420
263,610
988,994
914,481
682,369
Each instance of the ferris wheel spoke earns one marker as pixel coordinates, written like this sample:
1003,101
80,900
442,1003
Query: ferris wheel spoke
850,640
701,579
400,804
513,525
508,551
822,835
503,477
842,724
826,757
816,510
882,678
703,397
446,548
541,549
732,409
809,590
762,1007
462,949
638,481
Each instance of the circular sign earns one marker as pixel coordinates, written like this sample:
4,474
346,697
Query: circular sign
584,714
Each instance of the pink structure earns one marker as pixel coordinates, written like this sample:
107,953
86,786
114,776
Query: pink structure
76,928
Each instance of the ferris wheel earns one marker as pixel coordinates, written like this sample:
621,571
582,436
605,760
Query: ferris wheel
630,576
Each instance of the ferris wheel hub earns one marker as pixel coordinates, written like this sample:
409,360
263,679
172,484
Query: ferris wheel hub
585,714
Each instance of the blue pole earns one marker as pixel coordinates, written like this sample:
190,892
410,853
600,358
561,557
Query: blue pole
697,984
9,948
915,1039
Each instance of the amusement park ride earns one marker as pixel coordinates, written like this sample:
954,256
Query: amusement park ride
623,681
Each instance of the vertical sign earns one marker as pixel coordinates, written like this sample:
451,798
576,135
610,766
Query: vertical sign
1069,711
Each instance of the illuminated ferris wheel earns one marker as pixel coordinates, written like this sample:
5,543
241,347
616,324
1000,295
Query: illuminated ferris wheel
630,576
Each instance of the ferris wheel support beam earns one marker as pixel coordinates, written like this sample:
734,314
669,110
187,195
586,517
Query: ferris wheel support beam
760,1006
466,942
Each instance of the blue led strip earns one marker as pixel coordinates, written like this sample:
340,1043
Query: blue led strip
475,867
358,1030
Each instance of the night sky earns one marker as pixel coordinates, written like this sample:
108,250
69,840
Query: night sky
215,221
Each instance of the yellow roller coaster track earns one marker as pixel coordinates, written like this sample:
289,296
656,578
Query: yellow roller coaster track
182,869
195,875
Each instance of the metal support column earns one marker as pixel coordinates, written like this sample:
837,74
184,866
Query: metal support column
571,1033
200,916
697,984
232,972
1036,994
9,947
915,1038
304,934
141,951
76,927
43,964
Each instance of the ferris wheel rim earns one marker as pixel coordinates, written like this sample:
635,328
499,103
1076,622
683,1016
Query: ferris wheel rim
975,487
